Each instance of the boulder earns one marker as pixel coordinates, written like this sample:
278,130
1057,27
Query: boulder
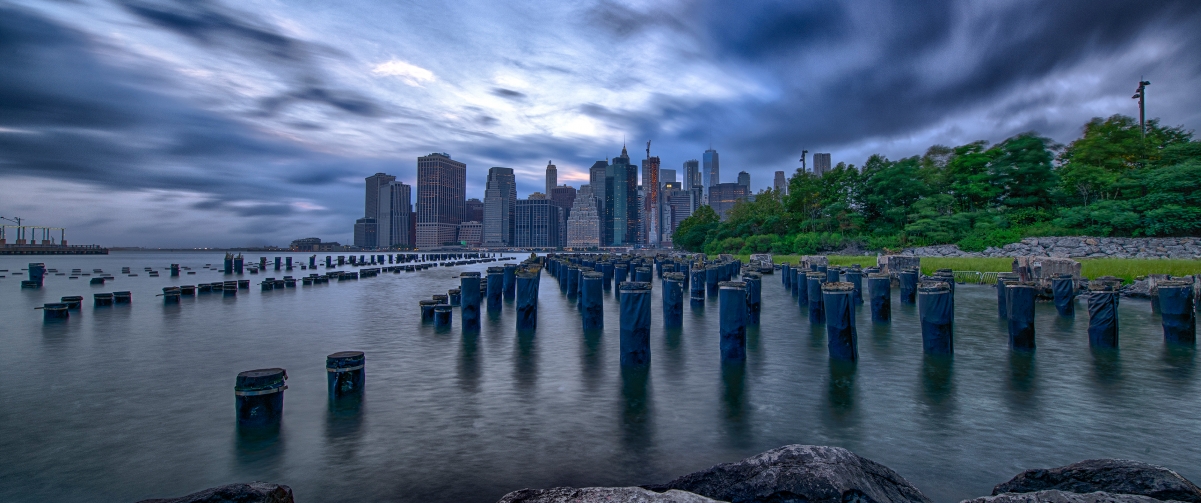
254,492
800,473
602,495
1114,476
1054,496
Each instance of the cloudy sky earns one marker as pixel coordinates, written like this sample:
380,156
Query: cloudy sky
214,123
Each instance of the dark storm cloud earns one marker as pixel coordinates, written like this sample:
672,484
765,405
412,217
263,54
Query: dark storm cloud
218,27
508,94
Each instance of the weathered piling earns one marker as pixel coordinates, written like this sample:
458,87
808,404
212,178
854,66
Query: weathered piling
855,277
259,397
1003,280
230,288
496,288
673,299
277,263
841,338
1019,302
239,265
345,373
786,275
643,275
55,311
37,275
1063,286
454,296
103,299
712,278
443,314
470,286
592,300
427,310
122,297
229,264
879,290
1179,318
800,287
635,322
188,290
1103,299
510,281
572,285
832,274
174,270
606,268
937,315
620,273
696,287
267,285
908,285
527,299
754,296
171,295
732,340
73,302
814,281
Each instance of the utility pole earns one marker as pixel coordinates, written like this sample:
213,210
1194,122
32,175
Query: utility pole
1141,96
803,154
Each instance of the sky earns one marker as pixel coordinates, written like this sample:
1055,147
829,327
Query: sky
205,123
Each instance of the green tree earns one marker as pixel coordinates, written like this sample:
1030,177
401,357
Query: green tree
692,231
1024,172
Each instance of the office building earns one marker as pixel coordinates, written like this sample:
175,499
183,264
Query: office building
305,244
723,197
552,177
781,183
596,179
666,175
471,233
395,206
650,199
621,201
563,196
821,163
364,233
371,201
692,174
744,179
441,194
500,201
712,169
583,224
538,222
473,210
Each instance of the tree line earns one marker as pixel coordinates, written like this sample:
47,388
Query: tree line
1112,181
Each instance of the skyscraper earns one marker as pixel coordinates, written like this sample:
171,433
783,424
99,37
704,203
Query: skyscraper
712,172
666,176
441,193
781,184
552,177
371,201
596,179
821,164
692,174
500,200
583,225
473,210
563,196
538,222
744,179
724,196
395,206
365,233
621,205
650,199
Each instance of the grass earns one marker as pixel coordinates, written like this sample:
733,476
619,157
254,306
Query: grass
1127,269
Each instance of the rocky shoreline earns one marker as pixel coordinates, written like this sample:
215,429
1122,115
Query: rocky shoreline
821,474
1077,247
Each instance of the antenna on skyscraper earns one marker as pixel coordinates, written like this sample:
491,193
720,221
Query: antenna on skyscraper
648,149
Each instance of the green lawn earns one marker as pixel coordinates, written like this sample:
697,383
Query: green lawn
1127,269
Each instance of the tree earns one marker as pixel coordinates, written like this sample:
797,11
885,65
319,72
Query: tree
1023,169
691,233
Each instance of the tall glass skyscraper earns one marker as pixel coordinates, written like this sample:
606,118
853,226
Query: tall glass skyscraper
712,171
441,194
395,208
692,174
500,200
621,211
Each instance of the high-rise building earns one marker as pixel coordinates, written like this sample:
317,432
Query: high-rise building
583,225
724,196
473,210
781,183
666,175
563,196
471,233
441,194
692,174
500,201
371,201
821,164
621,201
744,179
538,223
552,177
650,198
395,206
596,179
364,233
682,204
712,171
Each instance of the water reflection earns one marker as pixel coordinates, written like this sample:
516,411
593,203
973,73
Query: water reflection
1107,367
525,368
938,384
259,451
1021,388
735,412
840,411
880,332
343,424
1179,360
469,363
636,410
591,357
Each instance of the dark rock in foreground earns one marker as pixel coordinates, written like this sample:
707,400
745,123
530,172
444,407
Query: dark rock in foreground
1055,496
1114,476
800,473
254,492
601,495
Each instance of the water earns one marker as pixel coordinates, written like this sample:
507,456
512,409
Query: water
131,402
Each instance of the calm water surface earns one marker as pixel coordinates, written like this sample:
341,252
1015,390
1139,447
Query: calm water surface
132,402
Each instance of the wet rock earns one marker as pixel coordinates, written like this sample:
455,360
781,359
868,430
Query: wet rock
602,495
800,473
1054,496
254,492
1114,476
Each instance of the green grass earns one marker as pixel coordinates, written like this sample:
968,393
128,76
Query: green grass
1127,269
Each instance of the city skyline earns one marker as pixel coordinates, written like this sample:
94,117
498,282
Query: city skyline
240,124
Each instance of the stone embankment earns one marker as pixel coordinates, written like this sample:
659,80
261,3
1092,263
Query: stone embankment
1077,247
819,474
